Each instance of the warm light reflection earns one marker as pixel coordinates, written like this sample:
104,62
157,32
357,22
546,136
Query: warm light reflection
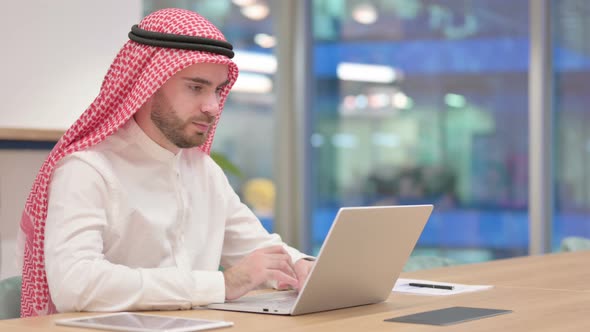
401,100
242,3
348,71
364,13
256,12
255,62
265,40
252,83
378,100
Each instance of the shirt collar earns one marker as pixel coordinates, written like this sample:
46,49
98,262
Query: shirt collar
138,136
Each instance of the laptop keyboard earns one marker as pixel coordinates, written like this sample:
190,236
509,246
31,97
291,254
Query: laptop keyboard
275,300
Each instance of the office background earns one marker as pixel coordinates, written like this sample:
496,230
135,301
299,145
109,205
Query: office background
475,106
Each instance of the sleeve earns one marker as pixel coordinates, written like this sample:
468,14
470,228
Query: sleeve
79,276
244,233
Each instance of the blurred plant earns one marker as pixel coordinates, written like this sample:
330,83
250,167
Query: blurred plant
226,165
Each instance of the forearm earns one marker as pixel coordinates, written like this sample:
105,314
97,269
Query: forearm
98,285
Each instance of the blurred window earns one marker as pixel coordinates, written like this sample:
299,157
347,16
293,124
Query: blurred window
423,101
414,101
571,64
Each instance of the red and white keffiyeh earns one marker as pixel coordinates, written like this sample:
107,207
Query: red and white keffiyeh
136,73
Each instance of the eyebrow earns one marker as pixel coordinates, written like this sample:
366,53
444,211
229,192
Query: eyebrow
205,81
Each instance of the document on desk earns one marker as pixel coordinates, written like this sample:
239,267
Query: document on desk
437,288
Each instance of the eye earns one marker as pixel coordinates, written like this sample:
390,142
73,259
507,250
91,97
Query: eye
196,88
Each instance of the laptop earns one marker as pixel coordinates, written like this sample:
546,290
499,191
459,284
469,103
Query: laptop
358,263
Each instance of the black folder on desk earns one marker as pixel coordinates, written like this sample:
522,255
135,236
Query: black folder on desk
448,316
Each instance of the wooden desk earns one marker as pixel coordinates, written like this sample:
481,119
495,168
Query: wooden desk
561,271
536,307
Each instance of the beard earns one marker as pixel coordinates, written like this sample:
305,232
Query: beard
173,127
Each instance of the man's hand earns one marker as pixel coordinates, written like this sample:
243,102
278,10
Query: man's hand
302,269
272,263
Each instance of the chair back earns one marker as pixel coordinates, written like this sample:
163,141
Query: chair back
575,243
10,290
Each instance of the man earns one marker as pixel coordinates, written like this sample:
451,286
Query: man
129,212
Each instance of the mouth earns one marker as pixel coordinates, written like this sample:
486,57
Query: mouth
201,126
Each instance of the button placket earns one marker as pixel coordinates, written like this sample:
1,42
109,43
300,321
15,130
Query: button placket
180,254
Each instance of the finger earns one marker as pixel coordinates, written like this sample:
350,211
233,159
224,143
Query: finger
275,261
300,274
282,265
301,282
283,286
283,278
302,271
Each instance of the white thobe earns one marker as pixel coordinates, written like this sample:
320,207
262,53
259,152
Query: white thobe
132,226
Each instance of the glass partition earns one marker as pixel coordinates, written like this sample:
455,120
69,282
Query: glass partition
414,102
425,102
571,64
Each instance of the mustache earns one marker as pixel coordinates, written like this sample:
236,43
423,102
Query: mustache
205,118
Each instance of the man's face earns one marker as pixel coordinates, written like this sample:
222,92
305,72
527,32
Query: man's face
184,108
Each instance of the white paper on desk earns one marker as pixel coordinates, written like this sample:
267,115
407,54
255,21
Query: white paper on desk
402,286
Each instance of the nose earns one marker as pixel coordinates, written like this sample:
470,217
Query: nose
211,106
211,109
